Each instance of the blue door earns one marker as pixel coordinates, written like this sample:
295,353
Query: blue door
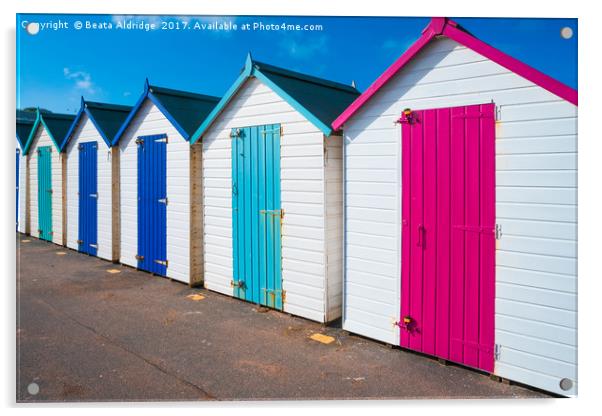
17,196
152,204
88,198
256,215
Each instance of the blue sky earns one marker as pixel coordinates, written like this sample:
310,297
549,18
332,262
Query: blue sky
56,67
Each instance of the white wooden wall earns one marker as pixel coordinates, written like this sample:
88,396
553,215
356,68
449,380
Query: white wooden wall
148,121
536,197
87,132
42,138
22,219
333,190
304,269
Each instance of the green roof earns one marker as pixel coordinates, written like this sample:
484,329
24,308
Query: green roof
108,117
25,122
323,98
58,124
187,108
319,100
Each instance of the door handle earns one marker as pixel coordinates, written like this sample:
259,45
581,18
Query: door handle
421,232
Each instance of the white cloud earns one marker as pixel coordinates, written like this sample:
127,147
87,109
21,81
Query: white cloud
82,80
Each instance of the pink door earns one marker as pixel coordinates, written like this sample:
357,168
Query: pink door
448,234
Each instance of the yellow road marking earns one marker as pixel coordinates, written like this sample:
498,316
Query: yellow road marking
113,271
60,253
324,339
196,297
25,241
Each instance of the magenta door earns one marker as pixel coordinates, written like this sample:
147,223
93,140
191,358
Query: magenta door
448,234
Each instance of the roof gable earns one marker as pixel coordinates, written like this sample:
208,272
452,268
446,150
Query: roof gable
319,100
107,119
184,110
442,26
24,123
56,125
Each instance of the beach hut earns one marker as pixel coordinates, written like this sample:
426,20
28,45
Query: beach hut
46,176
461,210
92,189
272,180
161,205
24,124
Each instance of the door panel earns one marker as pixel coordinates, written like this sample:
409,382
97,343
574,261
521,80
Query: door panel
152,204
448,237
45,193
256,215
17,188
88,198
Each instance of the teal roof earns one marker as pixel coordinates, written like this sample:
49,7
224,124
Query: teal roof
108,117
319,100
25,121
323,98
187,108
57,126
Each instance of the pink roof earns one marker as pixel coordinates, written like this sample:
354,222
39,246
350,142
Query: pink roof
449,28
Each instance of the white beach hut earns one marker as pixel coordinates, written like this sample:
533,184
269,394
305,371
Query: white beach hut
461,210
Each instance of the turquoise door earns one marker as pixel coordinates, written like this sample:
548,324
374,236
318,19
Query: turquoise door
256,215
44,193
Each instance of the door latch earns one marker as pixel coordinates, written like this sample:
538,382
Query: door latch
162,262
498,231
239,284
406,323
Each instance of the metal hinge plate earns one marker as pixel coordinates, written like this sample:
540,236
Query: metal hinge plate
162,140
139,257
498,231
162,262
497,352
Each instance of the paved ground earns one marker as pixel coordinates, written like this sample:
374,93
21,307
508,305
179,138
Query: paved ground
85,334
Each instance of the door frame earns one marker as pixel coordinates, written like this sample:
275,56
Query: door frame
486,257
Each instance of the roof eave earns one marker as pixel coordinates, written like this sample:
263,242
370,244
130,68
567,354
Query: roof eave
449,28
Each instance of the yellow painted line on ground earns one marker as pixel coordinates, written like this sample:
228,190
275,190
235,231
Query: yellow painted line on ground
196,297
113,271
60,253
324,339
25,241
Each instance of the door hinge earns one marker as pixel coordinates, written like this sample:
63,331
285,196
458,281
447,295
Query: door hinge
498,113
49,190
497,352
498,231
162,140
139,141
162,262
162,201
80,241
80,147
235,133
139,257
238,283
93,245
281,130
94,195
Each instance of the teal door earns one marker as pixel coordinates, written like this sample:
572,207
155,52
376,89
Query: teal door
256,215
44,193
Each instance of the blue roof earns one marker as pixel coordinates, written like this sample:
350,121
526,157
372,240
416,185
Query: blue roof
25,121
319,100
57,126
107,118
185,110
